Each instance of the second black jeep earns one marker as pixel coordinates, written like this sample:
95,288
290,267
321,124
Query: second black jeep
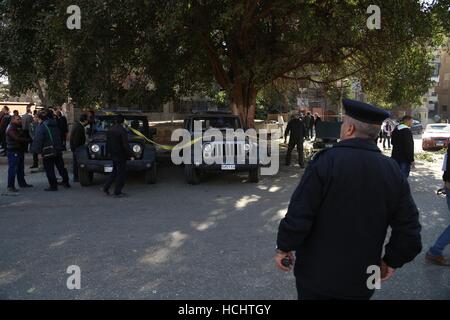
93,158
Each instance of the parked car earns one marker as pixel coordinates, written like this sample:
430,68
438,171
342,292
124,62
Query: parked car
93,158
221,149
417,127
436,136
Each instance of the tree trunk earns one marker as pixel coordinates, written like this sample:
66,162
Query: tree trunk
243,104
42,94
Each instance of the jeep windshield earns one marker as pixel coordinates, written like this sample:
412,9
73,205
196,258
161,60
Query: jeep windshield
328,130
102,124
217,122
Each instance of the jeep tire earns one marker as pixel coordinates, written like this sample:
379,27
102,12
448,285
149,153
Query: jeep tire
150,174
86,177
254,175
191,173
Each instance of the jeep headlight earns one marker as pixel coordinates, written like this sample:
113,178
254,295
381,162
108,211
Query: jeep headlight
207,148
137,148
95,148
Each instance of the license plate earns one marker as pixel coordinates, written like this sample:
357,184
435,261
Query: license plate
328,146
440,143
108,169
228,167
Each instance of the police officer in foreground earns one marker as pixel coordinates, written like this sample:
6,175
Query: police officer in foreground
118,148
296,131
339,215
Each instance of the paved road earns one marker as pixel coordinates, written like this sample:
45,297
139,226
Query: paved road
172,241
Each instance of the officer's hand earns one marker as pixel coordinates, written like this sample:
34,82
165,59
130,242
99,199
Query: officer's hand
279,258
386,271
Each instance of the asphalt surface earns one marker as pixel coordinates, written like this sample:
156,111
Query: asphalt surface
174,241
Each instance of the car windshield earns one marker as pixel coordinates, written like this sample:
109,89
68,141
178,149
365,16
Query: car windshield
103,124
218,123
438,128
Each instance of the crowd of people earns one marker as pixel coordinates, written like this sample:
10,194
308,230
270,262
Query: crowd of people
44,134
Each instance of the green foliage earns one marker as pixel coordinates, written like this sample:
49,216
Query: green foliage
142,53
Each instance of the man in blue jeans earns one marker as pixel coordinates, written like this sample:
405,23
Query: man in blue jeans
403,145
16,143
435,254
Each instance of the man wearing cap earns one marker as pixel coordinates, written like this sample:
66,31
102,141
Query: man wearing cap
339,215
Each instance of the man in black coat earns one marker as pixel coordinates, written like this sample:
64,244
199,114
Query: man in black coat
118,148
63,127
309,124
5,119
47,135
403,145
296,131
77,139
339,215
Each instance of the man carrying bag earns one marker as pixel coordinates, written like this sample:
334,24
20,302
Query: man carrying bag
47,142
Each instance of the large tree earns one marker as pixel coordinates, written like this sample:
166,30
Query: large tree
179,47
246,45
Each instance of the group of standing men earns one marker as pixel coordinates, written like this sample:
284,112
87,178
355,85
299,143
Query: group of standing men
41,133
45,133
299,128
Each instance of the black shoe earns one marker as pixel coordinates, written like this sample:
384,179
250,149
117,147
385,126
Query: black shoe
26,186
120,195
106,192
51,189
12,190
66,185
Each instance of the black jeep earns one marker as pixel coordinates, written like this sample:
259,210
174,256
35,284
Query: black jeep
327,135
240,154
93,158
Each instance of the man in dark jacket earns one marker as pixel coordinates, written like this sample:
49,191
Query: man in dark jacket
78,139
118,148
63,127
403,145
309,124
47,134
16,144
296,131
339,215
27,119
5,118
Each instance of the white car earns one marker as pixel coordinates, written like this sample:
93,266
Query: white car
436,136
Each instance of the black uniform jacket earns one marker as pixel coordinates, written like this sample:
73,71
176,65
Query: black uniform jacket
296,130
339,215
117,143
403,144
